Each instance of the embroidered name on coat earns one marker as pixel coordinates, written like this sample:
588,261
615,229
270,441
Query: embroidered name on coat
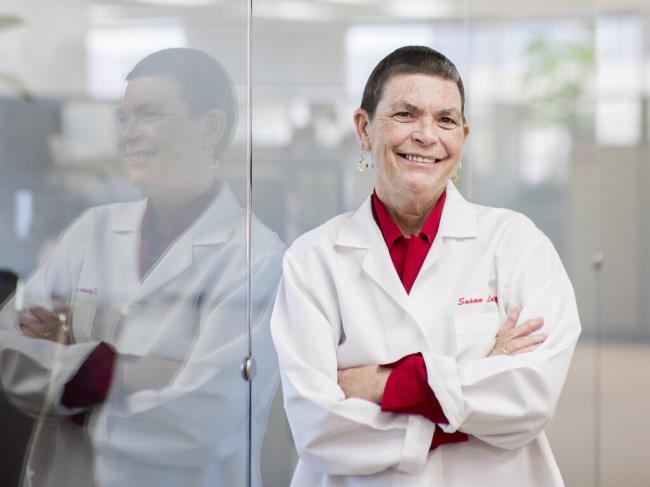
88,290
463,300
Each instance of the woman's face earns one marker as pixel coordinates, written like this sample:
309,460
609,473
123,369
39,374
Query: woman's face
159,138
415,137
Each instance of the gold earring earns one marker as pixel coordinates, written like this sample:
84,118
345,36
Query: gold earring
456,177
363,165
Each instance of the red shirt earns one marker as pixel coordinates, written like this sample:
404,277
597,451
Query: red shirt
408,253
407,389
159,232
90,385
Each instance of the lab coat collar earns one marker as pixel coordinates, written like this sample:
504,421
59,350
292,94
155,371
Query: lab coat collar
215,225
458,218
361,232
458,221
222,218
127,217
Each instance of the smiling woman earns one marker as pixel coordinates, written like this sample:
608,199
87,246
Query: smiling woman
387,379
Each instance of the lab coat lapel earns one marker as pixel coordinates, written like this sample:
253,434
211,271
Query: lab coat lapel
457,221
176,259
362,232
123,265
214,227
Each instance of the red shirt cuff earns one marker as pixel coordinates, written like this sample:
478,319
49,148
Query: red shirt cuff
407,390
442,438
91,383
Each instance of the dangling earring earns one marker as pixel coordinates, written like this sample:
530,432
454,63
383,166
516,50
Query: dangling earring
363,165
456,177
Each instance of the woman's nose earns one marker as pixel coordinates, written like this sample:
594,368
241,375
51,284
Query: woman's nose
129,128
425,133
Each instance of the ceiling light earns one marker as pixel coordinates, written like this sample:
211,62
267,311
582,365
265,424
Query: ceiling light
420,9
293,10
181,3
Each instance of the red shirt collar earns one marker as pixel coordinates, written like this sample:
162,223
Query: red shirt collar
391,231
174,222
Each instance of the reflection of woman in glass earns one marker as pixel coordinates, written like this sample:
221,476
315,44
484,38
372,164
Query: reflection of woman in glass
135,326
395,324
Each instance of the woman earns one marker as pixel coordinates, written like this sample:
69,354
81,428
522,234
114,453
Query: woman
395,325
135,325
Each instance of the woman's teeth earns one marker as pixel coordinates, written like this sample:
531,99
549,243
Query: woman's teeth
426,160
139,156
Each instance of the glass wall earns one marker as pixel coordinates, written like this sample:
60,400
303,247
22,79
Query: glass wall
127,233
557,100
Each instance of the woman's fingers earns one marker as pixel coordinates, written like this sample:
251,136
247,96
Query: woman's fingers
37,329
41,323
44,316
525,329
511,321
31,328
519,345
366,382
512,339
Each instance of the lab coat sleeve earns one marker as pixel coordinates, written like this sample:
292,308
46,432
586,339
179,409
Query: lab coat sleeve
202,414
34,372
507,401
334,435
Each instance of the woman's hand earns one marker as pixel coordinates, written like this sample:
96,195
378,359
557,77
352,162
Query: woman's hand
41,323
367,382
511,340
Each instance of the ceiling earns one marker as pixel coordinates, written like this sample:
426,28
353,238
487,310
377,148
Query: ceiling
344,11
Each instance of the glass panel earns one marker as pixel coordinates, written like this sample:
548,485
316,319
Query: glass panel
623,317
557,100
124,218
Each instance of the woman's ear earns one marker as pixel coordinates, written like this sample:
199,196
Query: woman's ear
362,125
466,130
213,128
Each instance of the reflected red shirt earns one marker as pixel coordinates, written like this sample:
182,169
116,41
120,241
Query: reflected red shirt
90,385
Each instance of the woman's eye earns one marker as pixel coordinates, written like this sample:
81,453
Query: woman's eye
448,121
149,115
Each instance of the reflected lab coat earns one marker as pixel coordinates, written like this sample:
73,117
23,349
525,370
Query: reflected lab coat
341,304
190,308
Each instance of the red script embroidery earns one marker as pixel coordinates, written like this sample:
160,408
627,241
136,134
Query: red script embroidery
463,300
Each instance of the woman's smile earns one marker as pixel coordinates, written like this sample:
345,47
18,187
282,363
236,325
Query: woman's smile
420,159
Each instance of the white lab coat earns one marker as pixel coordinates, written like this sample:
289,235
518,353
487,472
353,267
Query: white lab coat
341,304
190,308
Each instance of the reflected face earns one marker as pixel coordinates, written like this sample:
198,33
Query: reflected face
159,139
415,137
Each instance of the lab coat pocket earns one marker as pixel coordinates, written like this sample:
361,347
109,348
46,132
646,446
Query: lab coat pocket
475,334
83,320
